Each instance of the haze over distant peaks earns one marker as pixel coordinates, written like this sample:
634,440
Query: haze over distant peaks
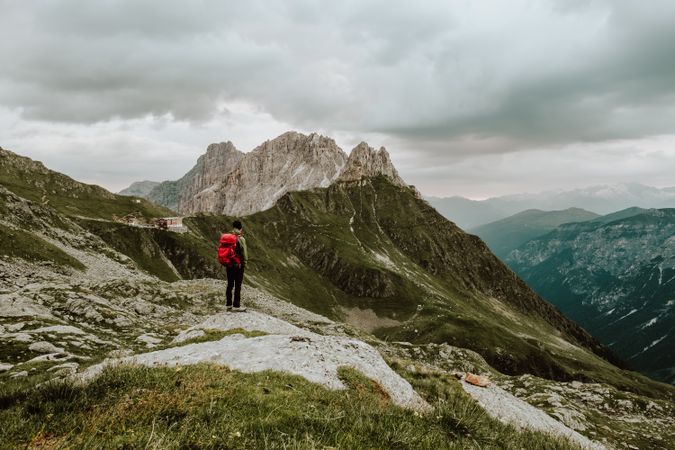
227,181
505,235
140,188
602,199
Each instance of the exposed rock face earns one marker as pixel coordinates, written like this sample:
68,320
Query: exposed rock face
212,167
365,162
226,181
286,348
616,277
291,162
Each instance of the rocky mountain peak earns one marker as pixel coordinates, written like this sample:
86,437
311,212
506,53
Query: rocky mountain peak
222,156
212,167
221,149
365,161
227,181
290,162
293,144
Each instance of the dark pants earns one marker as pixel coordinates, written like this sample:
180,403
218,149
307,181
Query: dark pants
235,275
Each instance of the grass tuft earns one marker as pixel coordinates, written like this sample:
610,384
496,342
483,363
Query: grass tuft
212,407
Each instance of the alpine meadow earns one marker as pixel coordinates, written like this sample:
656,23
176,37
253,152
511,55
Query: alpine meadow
351,225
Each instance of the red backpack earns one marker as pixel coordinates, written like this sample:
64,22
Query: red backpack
227,256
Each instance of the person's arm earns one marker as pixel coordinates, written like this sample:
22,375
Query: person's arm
244,250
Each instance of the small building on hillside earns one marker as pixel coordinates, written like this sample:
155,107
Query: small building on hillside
175,224
163,223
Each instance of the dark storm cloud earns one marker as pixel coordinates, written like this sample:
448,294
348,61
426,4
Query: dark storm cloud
441,75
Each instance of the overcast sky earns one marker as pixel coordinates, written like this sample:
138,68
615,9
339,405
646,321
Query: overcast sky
473,98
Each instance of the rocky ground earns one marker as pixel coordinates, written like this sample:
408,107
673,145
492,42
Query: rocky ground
56,322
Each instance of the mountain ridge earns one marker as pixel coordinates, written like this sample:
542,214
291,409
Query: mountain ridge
243,183
602,199
577,268
34,181
505,235
344,250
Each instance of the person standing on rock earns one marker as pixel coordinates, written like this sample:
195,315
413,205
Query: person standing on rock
232,254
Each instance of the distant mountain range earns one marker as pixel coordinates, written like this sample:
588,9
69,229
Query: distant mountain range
602,199
614,275
505,235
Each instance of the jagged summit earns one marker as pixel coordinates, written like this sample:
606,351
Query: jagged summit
218,161
290,162
365,161
221,150
211,168
227,181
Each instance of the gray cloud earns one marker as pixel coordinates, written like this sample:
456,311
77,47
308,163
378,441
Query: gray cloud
442,80
435,70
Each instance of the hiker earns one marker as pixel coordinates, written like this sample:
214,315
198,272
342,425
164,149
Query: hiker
233,255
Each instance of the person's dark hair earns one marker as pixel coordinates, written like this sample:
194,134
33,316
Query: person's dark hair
236,224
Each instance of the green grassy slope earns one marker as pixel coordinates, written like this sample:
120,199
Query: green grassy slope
33,181
347,248
213,407
137,243
23,244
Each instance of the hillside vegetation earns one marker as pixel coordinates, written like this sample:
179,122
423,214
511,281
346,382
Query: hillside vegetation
415,303
616,277
33,181
440,286
213,407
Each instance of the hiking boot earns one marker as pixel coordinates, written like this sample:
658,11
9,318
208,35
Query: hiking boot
229,308
239,309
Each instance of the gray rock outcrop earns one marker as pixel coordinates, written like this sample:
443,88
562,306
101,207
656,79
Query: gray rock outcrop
211,168
290,162
227,181
364,161
285,348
